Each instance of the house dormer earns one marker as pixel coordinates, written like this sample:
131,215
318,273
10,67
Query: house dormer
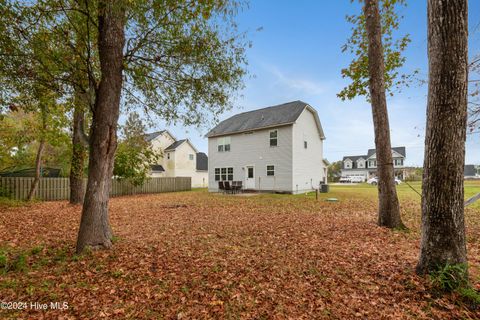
348,164
361,164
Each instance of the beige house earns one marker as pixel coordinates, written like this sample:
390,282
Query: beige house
179,158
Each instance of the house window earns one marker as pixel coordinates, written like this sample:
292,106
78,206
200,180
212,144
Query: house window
250,172
223,144
224,174
168,155
372,163
190,156
273,138
348,164
399,162
270,170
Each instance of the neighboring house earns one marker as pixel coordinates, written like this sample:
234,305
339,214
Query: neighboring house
365,166
471,171
179,158
279,148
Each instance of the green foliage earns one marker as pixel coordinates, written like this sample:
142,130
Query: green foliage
5,193
184,60
3,261
470,296
450,277
134,153
20,132
334,171
454,278
393,46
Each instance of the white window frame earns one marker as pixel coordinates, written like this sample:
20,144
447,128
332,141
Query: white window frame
223,174
223,144
272,170
273,138
191,156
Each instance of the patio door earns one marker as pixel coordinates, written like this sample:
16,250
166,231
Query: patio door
249,177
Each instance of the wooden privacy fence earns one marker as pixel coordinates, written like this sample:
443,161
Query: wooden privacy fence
59,188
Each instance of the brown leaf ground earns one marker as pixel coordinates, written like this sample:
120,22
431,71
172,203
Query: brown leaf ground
196,255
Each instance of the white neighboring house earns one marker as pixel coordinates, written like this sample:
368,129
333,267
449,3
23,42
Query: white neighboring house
363,167
179,158
279,148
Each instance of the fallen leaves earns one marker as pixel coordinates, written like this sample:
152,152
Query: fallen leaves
195,255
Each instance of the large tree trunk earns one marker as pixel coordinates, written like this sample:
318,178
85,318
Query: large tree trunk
95,231
443,227
79,154
388,207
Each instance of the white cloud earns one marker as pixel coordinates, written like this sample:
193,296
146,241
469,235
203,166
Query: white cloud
295,83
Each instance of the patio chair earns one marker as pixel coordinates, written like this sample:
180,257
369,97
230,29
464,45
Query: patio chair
237,186
221,186
227,187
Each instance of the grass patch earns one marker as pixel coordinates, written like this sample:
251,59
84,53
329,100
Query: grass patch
450,277
6,202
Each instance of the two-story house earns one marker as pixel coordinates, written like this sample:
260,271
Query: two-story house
363,167
179,158
276,149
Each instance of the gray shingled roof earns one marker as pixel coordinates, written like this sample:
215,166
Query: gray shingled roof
175,145
400,150
153,135
157,168
469,170
354,160
282,114
202,161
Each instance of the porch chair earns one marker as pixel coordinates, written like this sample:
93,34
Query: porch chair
226,185
221,186
237,186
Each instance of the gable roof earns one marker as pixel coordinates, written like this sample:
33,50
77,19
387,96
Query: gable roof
202,161
178,143
282,114
175,145
153,135
400,150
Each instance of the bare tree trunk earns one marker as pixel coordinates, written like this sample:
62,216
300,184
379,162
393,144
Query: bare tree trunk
38,169
443,226
388,206
79,154
38,159
95,231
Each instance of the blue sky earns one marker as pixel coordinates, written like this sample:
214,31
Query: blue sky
297,56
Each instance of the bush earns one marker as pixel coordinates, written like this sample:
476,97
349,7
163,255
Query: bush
5,193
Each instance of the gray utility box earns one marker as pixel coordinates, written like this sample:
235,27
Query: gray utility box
324,188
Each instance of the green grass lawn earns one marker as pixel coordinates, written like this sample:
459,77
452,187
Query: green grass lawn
405,192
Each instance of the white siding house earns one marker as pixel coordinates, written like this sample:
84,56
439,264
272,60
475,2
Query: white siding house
179,158
363,167
278,148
